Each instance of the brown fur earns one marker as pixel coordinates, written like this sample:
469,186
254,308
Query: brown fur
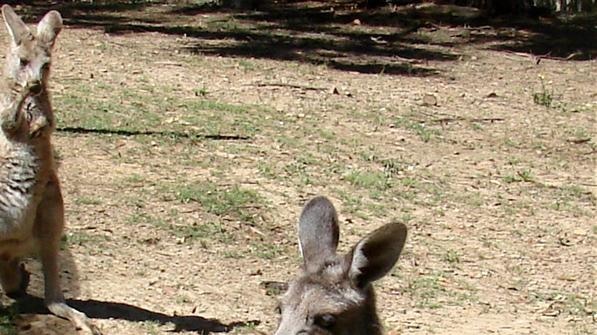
31,205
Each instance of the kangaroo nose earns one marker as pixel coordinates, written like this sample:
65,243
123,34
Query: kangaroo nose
36,88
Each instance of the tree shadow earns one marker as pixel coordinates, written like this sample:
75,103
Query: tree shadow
317,38
541,34
33,10
385,40
566,40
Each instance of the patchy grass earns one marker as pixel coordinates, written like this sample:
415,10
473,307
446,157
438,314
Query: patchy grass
369,180
135,180
299,168
235,202
208,232
425,132
334,110
434,290
7,319
246,328
88,200
520,176
267,250
80,238
452,257
427,289
393,167
567,303
148,108
151,327
545,96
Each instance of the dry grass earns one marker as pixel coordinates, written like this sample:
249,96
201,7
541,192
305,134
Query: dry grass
185,164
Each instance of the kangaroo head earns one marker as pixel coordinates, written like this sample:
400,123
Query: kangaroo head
29,54
333,295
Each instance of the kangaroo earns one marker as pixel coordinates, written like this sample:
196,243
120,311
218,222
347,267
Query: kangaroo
333,294
31,205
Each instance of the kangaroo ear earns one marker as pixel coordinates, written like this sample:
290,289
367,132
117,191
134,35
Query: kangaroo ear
318,232
17,29
49,27
375,255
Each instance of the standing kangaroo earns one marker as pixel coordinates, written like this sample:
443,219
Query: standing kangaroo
31,206
333,295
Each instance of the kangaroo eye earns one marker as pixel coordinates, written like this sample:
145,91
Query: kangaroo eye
24,62
325,321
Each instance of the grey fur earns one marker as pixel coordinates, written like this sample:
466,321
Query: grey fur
318,231
333,293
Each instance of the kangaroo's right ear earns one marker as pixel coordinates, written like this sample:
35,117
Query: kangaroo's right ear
318,232
49,27
17,29
375,255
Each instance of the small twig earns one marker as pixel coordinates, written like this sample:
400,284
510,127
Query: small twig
250,207
301,87
185,211
587,184
168,63
119,44
456,119
479,28
579,140
538,58
256,231
488,119
244,182
164,253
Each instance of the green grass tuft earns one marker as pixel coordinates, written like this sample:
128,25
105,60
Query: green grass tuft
370,180
234,202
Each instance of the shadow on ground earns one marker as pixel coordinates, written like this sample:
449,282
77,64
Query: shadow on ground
114,310
381,41
171,134
29,316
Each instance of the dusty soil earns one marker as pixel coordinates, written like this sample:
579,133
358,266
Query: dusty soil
190,137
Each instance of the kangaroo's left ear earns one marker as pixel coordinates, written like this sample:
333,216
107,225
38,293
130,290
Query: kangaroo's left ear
318,232
49,27
375,255
16,27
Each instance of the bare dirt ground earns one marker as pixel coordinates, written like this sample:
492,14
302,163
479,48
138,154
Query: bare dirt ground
190,137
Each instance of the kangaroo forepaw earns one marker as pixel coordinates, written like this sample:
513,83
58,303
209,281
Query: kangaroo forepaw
21,91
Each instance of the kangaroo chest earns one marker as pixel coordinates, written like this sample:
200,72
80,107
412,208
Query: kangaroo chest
23,176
